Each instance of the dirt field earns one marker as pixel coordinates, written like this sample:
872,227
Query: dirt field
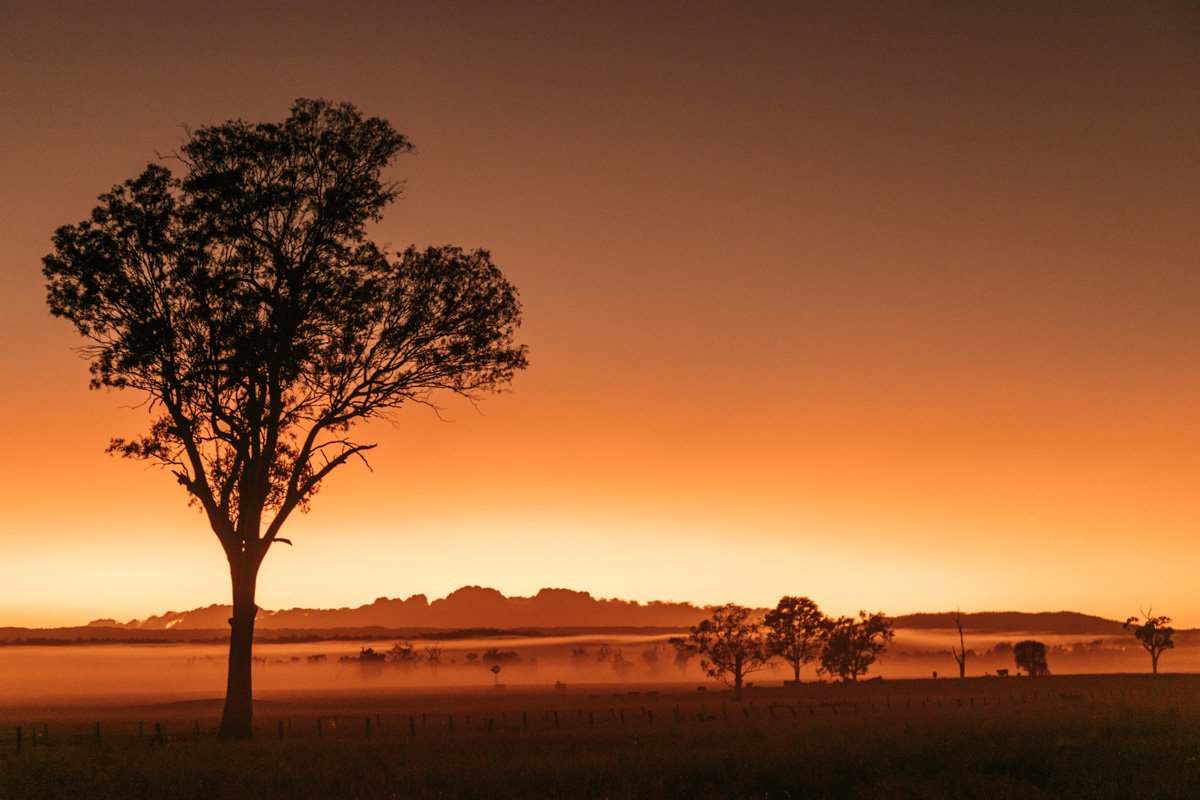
1122,736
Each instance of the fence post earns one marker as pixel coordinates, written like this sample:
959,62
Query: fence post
368,727
280,729
556,725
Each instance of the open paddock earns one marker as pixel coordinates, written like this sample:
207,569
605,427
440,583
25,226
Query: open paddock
1119,736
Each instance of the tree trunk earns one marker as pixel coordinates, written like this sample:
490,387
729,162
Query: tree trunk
796,669
1154,663
237,719
962,666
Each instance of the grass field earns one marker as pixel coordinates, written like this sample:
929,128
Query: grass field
1058,737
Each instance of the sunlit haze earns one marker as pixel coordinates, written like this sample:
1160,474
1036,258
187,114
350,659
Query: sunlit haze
894,306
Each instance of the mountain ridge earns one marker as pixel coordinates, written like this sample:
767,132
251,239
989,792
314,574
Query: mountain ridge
475,607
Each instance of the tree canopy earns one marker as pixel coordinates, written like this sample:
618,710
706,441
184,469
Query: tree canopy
1155,634
1030,656
245,300
731,645
852,645
796,630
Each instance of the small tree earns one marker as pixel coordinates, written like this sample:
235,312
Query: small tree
852,645
795,631
652,658
433,657
621,665
1030,656
960,655
1154,634
731,645
683,653
404,654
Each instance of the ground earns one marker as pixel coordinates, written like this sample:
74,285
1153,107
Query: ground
1120,736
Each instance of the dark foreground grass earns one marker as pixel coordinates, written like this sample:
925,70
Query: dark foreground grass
1065,737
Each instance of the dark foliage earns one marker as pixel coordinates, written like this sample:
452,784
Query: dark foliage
245,302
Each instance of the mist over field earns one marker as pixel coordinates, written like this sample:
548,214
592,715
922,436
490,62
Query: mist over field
98,674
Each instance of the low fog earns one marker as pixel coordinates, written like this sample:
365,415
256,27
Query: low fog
91,674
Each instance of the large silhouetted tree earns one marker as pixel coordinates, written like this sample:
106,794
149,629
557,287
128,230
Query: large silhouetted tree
795,631
731,644
243,298
1155,634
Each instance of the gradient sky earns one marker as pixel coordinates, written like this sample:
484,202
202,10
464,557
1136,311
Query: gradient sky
893,305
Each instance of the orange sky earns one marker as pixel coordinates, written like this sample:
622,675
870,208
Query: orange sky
893,306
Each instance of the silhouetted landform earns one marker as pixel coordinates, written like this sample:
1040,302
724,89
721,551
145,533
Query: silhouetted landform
474,611
468,607
1045,622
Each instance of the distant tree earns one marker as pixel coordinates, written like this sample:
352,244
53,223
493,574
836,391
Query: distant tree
603,653
621,665
683,653
795,631
852,645
433,657
1030,656
652,658
1153,633
960,655
368,659
731,644
370,654
245,303
404,654
494,655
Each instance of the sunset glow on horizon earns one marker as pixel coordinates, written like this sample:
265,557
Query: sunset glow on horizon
892,307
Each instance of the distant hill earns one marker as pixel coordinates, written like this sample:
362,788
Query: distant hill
479,610
468,607
1050,622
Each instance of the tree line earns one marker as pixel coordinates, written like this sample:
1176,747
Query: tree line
733,642
1154,634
